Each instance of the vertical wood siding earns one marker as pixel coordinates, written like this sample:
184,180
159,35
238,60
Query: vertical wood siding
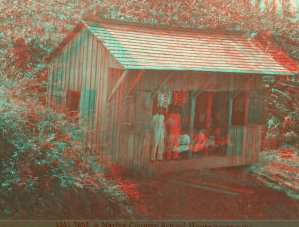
118,107
86,64
75,68
60,74
55,66
104,101
67,66
101,91
50,85
72,63
98,82
110,113
63,73
180,80
246,144
77,62
85,75
90,85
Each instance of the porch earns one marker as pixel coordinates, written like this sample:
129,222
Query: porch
237,95
245,150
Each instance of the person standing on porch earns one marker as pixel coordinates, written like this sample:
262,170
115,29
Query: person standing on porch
157,135
174,126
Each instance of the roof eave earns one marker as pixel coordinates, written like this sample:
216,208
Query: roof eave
66,40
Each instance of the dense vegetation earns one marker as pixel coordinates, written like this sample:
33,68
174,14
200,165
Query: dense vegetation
40,149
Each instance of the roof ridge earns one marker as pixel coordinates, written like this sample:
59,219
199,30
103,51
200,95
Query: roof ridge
164,28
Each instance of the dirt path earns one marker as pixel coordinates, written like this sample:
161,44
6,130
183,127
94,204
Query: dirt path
167,200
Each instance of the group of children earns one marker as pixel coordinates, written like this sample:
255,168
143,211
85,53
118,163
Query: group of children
177,139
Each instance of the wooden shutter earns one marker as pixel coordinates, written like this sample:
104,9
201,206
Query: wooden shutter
255,111
73,101
87,113
238,110
88,104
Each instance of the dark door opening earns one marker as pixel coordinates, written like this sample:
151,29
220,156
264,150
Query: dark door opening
216,142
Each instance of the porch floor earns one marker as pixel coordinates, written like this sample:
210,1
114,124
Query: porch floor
173,166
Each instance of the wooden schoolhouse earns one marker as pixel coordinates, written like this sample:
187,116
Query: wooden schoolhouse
111,73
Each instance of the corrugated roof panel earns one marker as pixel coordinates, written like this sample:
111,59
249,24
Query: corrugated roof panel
147,48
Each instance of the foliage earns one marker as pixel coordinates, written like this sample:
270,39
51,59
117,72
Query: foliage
40,146
42,158
280,171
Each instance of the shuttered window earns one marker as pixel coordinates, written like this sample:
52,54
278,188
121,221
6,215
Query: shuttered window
73,102
255,111
238,113
87,105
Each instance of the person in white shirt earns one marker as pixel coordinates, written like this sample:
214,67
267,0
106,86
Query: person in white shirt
157,135
183,148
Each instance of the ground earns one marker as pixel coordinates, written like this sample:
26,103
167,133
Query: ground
166,200
236,196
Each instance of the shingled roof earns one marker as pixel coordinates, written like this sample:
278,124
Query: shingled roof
148,47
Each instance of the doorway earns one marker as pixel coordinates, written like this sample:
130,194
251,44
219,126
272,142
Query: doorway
217,130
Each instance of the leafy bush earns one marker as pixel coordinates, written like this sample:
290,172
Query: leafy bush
40,150
42,160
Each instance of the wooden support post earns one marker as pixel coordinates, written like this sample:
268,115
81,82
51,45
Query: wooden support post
192,116
230,110
246,109
230,113
135,81
209,111
245,150
117,84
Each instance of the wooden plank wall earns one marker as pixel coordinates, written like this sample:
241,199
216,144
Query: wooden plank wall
246,144
99,85
192,80
79,67
252,145
50,85
135,149
102,109
86,63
